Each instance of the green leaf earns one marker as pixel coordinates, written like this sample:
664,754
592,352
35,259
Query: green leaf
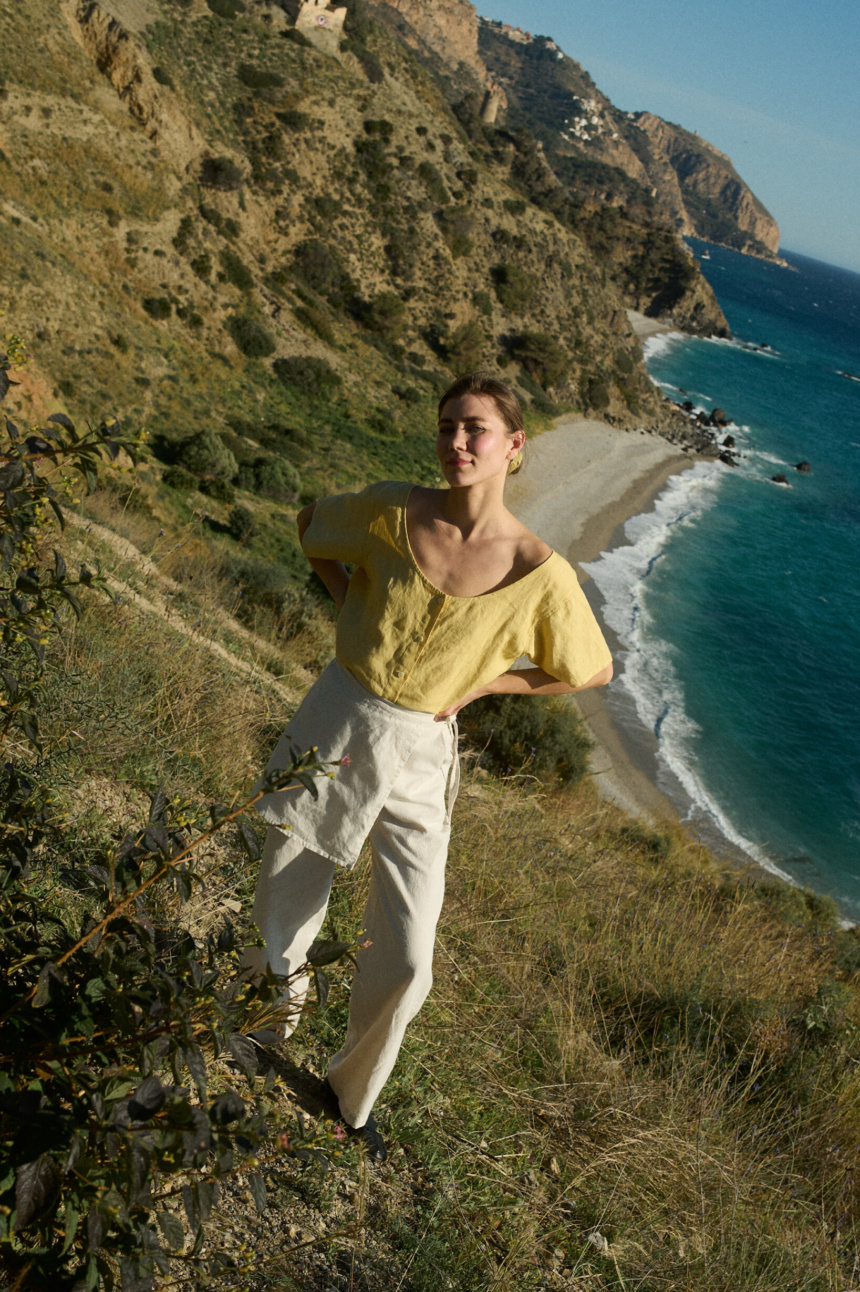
73,1216
325,953
249,841
36,1185
321,983
258,1192
171,1230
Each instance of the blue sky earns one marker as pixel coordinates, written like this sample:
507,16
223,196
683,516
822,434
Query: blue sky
776,86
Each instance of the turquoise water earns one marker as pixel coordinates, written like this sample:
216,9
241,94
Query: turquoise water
737,601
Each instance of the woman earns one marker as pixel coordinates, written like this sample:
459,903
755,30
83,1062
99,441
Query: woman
448,591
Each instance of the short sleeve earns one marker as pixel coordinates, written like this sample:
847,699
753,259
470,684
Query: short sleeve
568,643
339,528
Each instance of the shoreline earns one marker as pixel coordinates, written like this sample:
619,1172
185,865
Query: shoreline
584,480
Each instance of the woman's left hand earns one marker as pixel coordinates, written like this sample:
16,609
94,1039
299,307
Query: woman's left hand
454,709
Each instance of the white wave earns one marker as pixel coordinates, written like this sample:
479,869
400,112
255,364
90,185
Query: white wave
661,344
760,455
649,672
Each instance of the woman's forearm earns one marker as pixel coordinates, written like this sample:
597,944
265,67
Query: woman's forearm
534,681
334,575
525,681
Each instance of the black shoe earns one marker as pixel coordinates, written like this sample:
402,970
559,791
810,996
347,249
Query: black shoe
373,1142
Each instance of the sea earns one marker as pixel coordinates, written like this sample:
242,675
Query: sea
736,600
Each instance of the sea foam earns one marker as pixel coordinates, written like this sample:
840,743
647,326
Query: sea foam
649,674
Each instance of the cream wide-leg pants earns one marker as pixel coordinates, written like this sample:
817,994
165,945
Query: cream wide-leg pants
400,796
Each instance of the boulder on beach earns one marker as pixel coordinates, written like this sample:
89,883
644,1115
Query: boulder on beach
803,467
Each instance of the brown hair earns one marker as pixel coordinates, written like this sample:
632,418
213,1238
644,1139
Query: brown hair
503,396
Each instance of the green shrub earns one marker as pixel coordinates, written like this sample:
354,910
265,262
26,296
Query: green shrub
250,336
432,181
293,119
308,375
120,342
177,477
206,454
457,226
183,234
157,307
541,356
202,265
274,477
517,289
514,206
220,172
384,129
464,350
220,490
327,206
402,250
236,271
241,524
385,314
259,78
314,319
163,77
595,392
517,732
226,8
317,265
373,159
483,303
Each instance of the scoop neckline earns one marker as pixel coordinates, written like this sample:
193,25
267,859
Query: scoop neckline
450,595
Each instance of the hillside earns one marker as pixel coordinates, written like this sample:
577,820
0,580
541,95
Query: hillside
630,159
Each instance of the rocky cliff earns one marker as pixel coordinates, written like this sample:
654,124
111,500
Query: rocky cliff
632,159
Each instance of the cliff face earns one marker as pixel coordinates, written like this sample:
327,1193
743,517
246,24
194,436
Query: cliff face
712,192
447,27
635,160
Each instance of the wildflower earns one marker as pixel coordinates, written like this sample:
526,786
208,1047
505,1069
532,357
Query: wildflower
339,1132
345,761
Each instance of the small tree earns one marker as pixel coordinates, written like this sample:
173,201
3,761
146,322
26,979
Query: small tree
206,454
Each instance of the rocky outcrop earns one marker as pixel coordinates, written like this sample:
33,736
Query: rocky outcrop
448,27
710,187
121,58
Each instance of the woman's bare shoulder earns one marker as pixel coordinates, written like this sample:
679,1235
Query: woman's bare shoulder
531,548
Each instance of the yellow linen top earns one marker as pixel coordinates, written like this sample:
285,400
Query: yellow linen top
411,643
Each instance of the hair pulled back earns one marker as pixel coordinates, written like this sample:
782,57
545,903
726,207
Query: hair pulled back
503,396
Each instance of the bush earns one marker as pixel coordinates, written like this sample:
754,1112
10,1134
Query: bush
177,477
241,524
516,289
319,267
202,265
384,129
541,356
163,77
277,478
293,119
236,271
432,181
206,454
250,336
464,350
385,315
226,8
259,78
157,307
309,376
544,737
314,319
220,490
457,226
220,172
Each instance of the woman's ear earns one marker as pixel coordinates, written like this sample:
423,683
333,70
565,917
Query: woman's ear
518,439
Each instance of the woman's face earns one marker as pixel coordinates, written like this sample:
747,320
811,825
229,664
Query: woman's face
473,442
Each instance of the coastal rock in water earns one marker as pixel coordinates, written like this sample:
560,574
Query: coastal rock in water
719,417
728,459
779,478
804,468
729,442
